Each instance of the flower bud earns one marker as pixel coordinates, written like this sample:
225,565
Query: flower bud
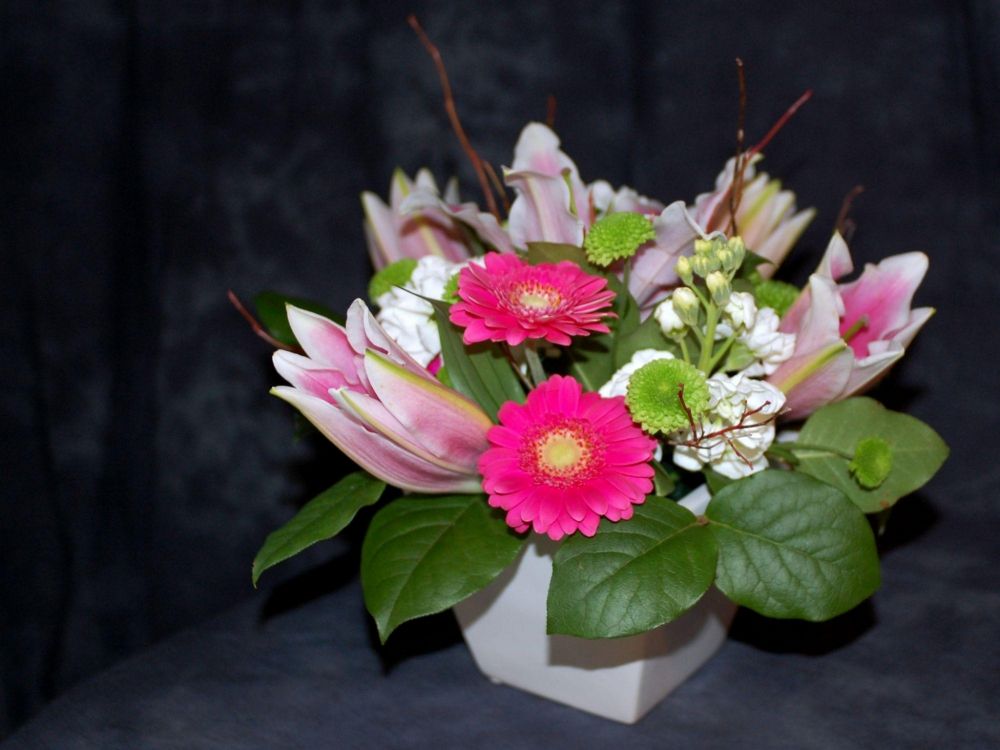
703,265
683,269
686,305
703,247
739,250
718,285
670,322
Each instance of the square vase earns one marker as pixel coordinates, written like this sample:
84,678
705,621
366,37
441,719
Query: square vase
617,678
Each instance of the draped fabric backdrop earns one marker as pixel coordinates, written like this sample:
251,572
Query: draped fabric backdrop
156,154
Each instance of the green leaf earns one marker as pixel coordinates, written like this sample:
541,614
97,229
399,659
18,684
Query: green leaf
829,437
323,517
633,575
422,555
595,356
480,371
647,335
663,483
792,547
270,308
715,480
555,252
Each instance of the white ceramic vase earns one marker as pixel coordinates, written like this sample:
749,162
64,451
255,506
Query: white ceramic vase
618,678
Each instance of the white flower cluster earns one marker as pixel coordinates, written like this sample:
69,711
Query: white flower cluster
407,318
758,331
736,429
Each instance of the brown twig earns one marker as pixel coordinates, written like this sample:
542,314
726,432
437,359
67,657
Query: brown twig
456,123
498,185
780,123
257,327
550,111
844,223
740,165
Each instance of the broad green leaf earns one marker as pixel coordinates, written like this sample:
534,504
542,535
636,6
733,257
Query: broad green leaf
792,547
829,437
270,308
323,517
632,575
480,371
422,555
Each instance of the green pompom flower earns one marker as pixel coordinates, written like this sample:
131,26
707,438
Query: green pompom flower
872,462
653,394
617,236
394,274
450,293
775,294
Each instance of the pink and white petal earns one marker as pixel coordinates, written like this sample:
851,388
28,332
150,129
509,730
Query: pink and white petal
541,211
307,374
323,341
444,421
779,242
653,266
380,231
374,453
482,223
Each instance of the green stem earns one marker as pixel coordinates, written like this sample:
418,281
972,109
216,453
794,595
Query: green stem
704,360
534,364
721,353
684,349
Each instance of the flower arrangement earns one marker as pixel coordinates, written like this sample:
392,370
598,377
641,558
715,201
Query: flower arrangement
574,368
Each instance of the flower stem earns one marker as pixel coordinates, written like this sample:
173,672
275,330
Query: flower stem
705,359
534,364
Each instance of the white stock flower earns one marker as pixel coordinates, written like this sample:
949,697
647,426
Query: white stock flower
618,385
745,408
408,319
667,317
769,346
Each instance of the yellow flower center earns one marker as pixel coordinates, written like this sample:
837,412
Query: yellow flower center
534,297
563,452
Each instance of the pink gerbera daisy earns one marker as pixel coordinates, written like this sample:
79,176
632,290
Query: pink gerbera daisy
509,300
564,458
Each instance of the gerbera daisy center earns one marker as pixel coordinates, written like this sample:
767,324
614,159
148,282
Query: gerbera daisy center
533,297
562,454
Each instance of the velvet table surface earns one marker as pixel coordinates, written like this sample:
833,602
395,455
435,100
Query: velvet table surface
917,666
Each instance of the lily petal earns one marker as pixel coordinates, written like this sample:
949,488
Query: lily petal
374,453
449,425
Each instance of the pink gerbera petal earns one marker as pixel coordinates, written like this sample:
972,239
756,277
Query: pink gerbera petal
575,462
506,299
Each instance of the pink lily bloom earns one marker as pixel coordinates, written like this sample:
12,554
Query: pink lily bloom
394,234
849,335
553,204
766,218
382,409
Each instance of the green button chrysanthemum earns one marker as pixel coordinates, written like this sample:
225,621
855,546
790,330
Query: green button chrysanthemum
394,274
872,462
617,236
775,294
450,293
653,394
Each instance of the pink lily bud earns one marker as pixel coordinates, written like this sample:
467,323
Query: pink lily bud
382,409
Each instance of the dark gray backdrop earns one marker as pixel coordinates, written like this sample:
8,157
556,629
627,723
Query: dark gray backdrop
156,154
